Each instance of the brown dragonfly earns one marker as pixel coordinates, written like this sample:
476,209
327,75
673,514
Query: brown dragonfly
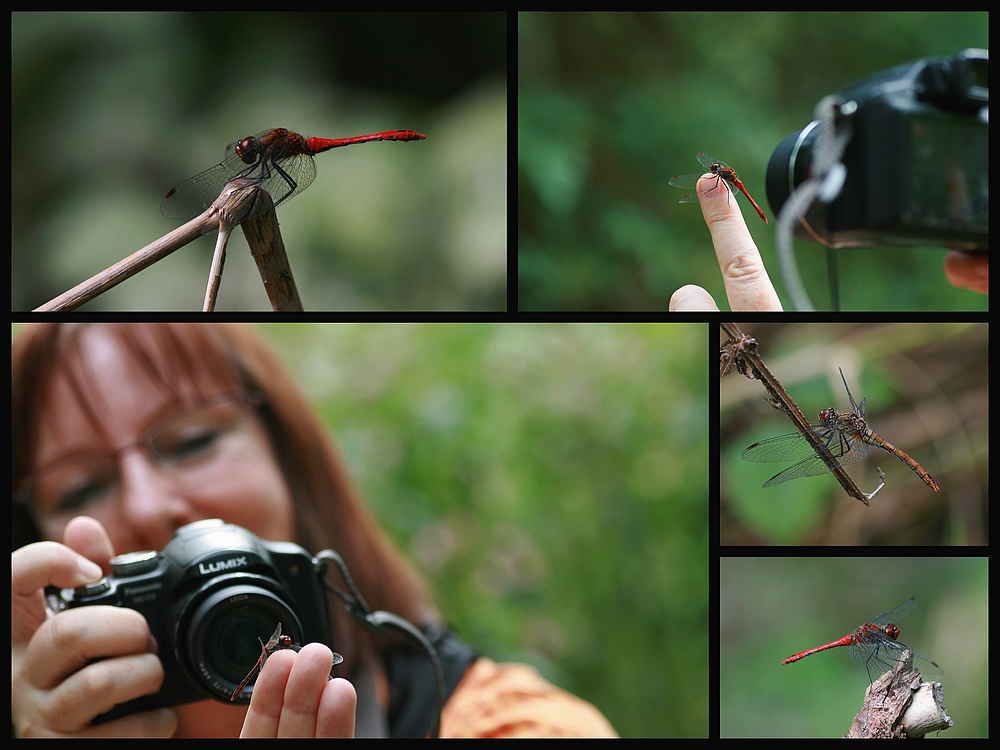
276,642
846,435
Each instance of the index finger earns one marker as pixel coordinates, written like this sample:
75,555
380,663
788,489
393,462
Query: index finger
268,699
34,567
748,286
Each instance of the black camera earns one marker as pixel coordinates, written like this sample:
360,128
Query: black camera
917,160
208,597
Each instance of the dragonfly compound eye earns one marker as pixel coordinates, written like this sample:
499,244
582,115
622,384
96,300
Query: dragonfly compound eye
247,150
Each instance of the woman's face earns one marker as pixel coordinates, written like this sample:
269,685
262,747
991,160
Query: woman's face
157,463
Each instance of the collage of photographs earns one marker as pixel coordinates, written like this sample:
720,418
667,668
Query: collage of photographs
537,497
847,436
473,486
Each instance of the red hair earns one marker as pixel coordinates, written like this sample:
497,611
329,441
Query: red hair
328,511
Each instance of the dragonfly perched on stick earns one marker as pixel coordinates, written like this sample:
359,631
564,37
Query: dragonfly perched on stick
847,436
276,642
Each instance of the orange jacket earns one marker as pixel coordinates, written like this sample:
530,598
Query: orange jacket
513,700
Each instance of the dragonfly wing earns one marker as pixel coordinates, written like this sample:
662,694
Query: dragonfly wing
876,656
794,446
288,177
809,467
707,161
789,447
814,465
273,640
897,613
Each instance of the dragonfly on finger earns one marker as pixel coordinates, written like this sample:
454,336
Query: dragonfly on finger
847,436
276,642
723,174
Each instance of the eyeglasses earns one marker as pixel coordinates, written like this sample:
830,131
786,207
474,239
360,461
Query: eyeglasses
190,446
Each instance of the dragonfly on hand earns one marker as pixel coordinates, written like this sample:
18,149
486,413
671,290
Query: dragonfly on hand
723,174
276,642
874,647
277,160
847,436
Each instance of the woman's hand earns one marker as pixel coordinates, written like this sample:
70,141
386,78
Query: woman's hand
68,668
293,697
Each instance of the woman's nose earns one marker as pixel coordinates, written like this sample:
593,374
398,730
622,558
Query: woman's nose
147,493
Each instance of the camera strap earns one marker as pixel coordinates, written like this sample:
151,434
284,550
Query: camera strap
412,683
383,622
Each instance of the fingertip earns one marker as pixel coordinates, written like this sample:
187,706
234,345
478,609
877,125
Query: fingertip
692,298
89,571
968,271
89,538
337,709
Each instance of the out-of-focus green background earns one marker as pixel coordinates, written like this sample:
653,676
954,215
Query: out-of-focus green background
771,608
927,391
611,106
110,111
550,480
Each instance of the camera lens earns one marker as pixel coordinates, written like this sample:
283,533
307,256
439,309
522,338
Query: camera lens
225,632
233,641
789,165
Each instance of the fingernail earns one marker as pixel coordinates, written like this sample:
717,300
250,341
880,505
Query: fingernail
90,571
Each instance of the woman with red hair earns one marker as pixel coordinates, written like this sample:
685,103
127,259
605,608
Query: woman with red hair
128,432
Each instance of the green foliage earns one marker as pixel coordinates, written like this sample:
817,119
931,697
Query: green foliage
550,481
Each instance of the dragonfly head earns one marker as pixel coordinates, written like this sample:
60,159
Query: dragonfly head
248,150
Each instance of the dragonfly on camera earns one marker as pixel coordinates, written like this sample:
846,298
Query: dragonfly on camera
276,642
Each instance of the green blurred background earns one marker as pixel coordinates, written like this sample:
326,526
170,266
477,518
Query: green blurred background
927,390
550,481
772,608
611,106
110,111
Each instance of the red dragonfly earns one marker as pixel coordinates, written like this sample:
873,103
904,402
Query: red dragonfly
278,160
276,642
723,173
874,647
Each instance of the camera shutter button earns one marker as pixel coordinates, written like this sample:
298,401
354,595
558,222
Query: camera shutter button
91,589
133,563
